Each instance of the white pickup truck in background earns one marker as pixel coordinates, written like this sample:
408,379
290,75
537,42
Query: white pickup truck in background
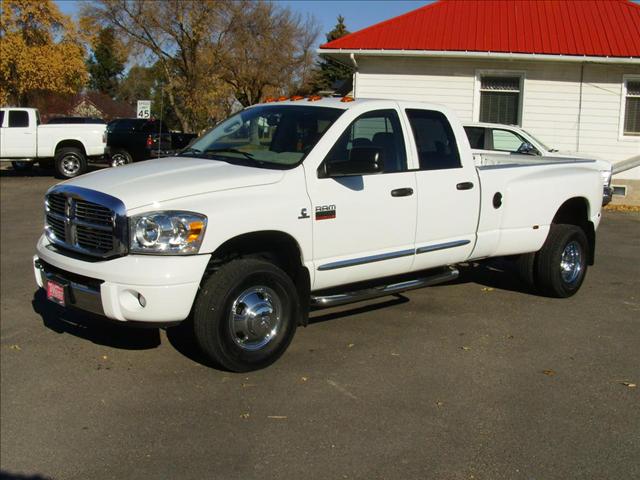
301,204
23,141
490,142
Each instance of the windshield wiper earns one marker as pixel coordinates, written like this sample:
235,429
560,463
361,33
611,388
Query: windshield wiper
190,150
229,150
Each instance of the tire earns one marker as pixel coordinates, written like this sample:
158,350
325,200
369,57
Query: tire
562,261
525,268
120,158
246,286
22,166
70,162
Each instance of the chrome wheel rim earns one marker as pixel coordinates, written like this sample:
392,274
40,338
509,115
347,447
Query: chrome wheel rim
571,262
70,165
255,318
118,160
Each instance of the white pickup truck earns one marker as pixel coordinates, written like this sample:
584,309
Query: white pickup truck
490,142
24,141
306,203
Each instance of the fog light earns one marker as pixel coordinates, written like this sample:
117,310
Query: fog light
142,300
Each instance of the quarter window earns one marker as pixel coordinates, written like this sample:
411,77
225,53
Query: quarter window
377,129
435,141
500,99
476,137
18,118
632,107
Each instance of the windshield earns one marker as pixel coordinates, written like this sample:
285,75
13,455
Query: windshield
548,149
271,136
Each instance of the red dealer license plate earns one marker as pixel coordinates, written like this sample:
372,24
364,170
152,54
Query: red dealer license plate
55,292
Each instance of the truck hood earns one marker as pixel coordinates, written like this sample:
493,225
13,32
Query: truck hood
164,179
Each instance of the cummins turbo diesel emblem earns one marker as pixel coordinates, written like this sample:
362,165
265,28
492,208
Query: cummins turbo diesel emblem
325,212
303,214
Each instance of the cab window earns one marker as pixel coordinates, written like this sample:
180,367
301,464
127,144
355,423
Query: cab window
377,129
435,141
506,141
18,118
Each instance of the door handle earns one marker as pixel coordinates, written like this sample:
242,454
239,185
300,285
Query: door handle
465,186
402,192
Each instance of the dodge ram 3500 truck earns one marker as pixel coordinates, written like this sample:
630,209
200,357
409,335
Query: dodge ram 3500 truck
306,203
24,141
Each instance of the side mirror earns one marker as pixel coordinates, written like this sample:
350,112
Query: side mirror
362,161
526,149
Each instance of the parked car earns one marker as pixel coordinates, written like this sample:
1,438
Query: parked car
134,139
56,120
301,204
23,141
496,139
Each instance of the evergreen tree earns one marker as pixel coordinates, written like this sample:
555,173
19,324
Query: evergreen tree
329,71
104,64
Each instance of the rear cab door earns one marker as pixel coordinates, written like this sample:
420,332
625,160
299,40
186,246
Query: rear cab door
448,189
19,133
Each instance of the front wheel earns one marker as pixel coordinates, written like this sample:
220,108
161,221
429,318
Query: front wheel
70,162
246,314
22,166
562,262
120,158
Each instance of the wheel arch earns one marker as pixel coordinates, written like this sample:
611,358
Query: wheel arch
576,211
279,247
70,143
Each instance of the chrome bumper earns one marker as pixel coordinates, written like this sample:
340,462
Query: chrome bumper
83,293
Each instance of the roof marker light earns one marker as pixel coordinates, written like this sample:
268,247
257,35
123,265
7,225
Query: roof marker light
269,100
314,98
296,98
347,99
282,98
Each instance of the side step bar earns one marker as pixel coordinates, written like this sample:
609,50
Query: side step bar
382,290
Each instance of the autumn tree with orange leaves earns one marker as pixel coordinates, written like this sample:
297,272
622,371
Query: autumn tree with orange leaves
40,52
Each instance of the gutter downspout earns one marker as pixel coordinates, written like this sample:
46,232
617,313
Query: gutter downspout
580,107
352,56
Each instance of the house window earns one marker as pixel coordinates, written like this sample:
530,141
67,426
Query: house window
500,99
632,107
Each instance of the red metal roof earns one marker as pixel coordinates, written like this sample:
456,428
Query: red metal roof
607,28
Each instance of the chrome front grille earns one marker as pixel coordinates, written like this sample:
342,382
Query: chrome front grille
86,221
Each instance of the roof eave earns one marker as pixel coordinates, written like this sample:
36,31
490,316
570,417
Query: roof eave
337,53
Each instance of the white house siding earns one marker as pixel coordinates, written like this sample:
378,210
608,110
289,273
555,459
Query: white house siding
551,97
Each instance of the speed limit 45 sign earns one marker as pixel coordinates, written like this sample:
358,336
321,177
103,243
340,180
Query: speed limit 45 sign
144,108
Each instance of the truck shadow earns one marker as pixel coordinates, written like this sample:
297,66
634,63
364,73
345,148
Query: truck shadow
32,172
94,328
495,273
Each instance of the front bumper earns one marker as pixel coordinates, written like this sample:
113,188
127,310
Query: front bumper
135,288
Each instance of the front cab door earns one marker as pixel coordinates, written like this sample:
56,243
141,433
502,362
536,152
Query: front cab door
364,224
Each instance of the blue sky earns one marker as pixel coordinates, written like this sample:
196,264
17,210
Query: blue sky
357,14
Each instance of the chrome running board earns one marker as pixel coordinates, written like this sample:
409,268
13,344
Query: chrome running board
382,290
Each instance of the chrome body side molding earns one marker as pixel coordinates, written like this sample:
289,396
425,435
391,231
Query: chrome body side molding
362,260
442,246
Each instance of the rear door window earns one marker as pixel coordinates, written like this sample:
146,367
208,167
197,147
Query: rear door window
18,118
476,137
435,140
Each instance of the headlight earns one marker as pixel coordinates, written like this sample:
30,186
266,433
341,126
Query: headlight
606,177
167,233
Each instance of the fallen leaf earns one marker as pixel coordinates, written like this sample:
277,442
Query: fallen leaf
304,379
277,417
465,348
629,384
247,385
244,415
549,373
439,404
104,357
395,354
487,289
15,347
351,345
